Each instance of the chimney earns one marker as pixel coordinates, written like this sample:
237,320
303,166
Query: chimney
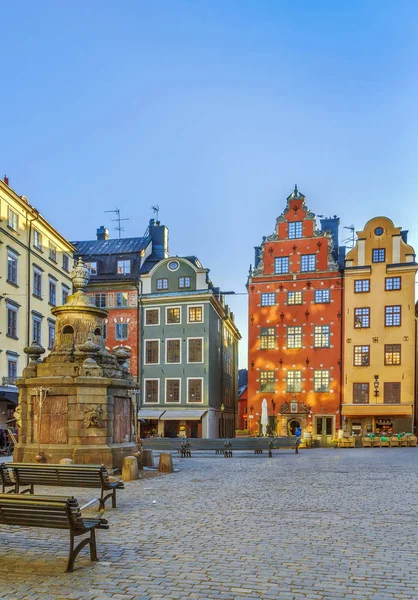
6,180
102,233
159,237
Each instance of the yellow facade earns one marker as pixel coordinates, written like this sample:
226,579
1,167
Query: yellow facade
379,331
35,261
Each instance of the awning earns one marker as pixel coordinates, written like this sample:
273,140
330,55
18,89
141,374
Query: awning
375,410
149,413
183,415
9,393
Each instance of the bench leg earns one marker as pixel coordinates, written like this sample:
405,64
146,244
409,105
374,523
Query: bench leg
91,541
113,499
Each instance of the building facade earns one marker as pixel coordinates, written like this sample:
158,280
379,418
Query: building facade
379,331
35,265
295,327
190,353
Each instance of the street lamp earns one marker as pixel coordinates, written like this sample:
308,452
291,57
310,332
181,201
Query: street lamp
222,420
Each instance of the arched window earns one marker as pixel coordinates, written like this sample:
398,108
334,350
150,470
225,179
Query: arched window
97,331
68,329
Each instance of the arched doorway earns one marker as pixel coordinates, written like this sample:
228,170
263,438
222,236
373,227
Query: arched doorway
292,426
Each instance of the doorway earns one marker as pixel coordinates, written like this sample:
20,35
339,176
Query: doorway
324,430
292,426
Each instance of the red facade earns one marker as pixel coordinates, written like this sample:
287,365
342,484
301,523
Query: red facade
295,296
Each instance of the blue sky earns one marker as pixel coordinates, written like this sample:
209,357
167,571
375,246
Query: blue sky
213,110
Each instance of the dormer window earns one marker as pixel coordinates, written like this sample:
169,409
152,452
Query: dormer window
184,282
124,267
92,267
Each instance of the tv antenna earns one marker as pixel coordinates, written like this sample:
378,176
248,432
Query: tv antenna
155,210
118,220
351,239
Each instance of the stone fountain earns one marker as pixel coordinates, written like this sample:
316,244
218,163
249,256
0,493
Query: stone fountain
77,402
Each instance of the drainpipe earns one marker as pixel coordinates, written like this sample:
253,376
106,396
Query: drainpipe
28,282
341,347
139,337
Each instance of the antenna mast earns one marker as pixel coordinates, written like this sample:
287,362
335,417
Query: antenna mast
155,210
351,240
118,220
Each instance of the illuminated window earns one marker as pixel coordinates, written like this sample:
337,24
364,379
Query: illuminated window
294,297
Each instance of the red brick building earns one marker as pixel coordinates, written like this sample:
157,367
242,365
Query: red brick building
295,310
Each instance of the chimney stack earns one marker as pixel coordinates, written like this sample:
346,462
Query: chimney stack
6,180
102,233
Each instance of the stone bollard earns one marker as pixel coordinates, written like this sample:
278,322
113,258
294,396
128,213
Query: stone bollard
147,458
166,463
66,461
130,468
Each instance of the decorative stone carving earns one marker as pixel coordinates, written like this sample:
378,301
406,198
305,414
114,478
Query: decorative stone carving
284,407
122,354
18,416
93,416
80,276
34,351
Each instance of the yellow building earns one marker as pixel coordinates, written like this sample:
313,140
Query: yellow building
35,264
379,331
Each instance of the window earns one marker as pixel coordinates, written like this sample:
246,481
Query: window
267,338
65,293
268,299
392,283
195,350
378,255
361,356
13,220
121,331
172,393
37,239
104,331
121,299
294,337
162,284
11,371
152,391
65,262
295,230
100,300
152,348
11,267
392,393
195,390
51,335
322,296
173,351
195,314
322,336
267,380
11,321
52,292
294,381
361,286
294,298
392,316
173,315
361,318
124,267
152,316
308,262
37,330
92,267
281,265
321,381
37,282
52,251
392,354
360,393
184,282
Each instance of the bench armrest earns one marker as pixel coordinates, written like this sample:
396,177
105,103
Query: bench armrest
115,471
99,512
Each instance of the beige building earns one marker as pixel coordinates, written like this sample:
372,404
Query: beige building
35,264
379,331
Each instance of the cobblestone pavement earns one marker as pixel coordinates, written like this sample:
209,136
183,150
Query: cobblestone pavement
325,524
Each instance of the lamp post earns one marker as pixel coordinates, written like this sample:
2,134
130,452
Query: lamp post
40,394
222,420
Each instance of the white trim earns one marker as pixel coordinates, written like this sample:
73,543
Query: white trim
165,352
173,260
166,309
145,351
203,390
165,390
145,389
189,306
145,317
203,350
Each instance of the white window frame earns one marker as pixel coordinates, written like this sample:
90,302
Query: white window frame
166,401
12,360
203,391
37,271
15,310
166,352
53,251
37,319
65,259
52,281
158,389
201,306
37,239
145,351
92,269
122,305
127,331
315,381
166,311
145,317
51,325
195,337
123,272
13,219
15,257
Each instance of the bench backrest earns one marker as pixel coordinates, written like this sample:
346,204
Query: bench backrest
214,444
90,476
5,475
54,512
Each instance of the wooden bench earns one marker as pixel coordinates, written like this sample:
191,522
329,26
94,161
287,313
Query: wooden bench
27,475
6,479
255,444
55,512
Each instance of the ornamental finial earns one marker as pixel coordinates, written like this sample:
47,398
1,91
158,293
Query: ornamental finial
80,276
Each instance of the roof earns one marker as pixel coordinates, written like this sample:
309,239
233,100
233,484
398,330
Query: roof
118,246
